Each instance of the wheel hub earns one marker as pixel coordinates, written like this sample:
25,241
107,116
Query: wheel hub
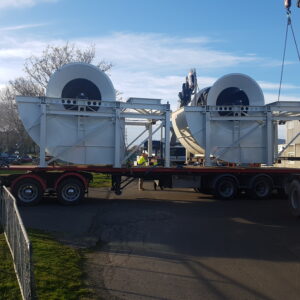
70,193
227,189
261,188
27,193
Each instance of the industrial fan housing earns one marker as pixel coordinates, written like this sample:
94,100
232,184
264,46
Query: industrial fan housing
79,126
227,126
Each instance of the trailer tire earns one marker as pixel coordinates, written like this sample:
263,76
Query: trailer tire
225,188
70,191
294,198
27,191
261,187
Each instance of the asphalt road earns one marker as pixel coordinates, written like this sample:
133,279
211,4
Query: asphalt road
178,244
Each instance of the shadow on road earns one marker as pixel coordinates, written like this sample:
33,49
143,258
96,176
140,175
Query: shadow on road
206,227
179,244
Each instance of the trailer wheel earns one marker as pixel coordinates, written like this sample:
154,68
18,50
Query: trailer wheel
261,187
225,188
70,191
294,198
27,191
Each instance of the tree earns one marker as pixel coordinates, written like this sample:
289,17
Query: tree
12,133
38,70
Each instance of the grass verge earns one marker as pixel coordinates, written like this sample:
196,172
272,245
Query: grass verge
9,288
10,172
100,180
58,270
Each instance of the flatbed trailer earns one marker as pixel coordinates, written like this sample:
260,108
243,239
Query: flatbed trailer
70,183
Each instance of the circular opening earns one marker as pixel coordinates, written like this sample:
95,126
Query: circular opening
232,96
81,88
202,97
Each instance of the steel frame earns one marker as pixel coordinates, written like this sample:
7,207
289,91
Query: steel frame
278,112
137,113
147,112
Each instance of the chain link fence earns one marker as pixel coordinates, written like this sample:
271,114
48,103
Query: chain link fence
18,243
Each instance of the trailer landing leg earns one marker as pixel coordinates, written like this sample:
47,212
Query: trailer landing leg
116,184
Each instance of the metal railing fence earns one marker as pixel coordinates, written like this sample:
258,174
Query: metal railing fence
18,243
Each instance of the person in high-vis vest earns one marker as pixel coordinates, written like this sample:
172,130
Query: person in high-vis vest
142,162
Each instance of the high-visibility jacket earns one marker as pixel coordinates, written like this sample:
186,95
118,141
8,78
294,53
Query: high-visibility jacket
141,161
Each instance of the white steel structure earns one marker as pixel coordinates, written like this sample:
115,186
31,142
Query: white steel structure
232,127
80,121
267,116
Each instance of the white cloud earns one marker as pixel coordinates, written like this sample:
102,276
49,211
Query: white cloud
21,3
152,51
272,97
20,49
21,27
275,86
148,85
145,65
277,63
13,52
149,63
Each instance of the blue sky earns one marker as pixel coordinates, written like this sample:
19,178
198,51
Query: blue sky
153,44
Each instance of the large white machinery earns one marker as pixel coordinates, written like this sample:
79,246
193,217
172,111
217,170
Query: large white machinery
80,121
228,122
73,136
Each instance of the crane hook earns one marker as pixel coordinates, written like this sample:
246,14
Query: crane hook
288,3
